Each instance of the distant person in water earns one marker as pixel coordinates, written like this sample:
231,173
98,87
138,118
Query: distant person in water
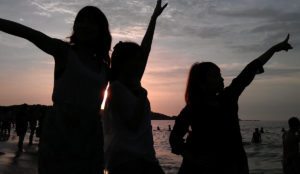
214,145
128,140
291,153
283,130
262,130
72,138
256,137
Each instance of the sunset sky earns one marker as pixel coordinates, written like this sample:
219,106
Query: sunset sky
229,33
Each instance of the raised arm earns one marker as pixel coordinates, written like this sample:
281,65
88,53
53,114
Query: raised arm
147,40
42,41
256,66
284,45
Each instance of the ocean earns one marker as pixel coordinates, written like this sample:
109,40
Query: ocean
264,158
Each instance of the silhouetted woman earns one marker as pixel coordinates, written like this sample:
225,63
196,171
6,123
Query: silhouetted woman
128,141
72,138
214,145
291,151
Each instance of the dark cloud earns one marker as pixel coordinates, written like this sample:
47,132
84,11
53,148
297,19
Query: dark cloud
282,72
247,13
247,48
170,72
273,70
205,32
228,30
270,14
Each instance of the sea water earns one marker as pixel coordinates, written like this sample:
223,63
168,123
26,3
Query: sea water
262,158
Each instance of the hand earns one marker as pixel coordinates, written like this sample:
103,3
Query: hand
284,45
159,9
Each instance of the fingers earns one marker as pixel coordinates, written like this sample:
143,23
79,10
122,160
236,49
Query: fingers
287,38
288,46
158,4
164,6
159,9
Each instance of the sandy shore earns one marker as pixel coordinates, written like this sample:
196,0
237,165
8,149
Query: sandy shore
26,163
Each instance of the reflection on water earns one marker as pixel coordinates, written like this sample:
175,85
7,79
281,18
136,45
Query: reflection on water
263,158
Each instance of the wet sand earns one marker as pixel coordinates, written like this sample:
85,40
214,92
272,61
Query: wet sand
26,163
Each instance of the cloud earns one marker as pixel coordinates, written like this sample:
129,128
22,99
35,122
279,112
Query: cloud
220,31
261,14
276,70
130,33
49,7
173,72
258,13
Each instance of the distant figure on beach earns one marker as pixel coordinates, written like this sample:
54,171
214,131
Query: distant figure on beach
210,106
158,128
256,137
72,137
5,124
262,130
170,128
32,124
21,126
291,153
128,140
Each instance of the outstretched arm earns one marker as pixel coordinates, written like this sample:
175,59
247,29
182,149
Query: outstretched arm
42,41
284,45
256,66
147,40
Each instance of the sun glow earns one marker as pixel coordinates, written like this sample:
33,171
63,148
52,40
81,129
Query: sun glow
105,97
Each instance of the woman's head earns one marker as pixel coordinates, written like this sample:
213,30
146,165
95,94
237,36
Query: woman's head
204,78
125,60
91,29
294,123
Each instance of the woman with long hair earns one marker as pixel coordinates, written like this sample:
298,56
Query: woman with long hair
72,138
210,118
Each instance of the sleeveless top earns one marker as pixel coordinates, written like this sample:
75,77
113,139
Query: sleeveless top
78,85
121,144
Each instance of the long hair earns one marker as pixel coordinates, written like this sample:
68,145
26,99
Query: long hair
123,52
197,76
104,39
294,123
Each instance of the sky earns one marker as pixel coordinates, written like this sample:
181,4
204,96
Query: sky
229,33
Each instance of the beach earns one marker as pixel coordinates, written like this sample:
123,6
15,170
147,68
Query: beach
26,163
263,158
